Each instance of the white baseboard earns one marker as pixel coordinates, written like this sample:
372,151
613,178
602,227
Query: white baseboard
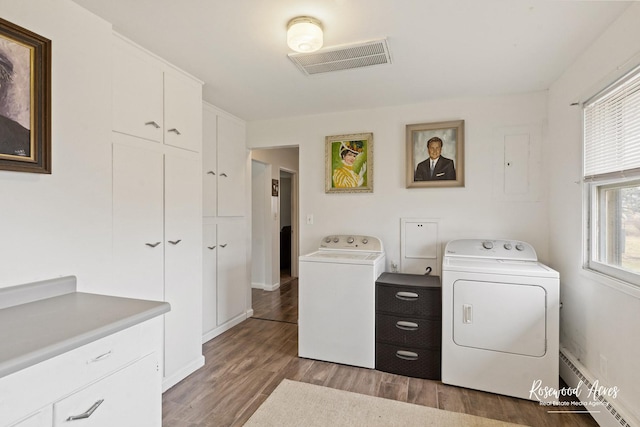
209,335
608,411
265,287
183,373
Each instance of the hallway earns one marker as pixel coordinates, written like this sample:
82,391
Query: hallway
280,305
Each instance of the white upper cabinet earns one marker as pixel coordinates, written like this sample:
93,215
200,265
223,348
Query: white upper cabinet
153,100
224,164
183,97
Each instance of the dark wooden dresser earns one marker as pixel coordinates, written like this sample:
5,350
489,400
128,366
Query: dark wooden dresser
408,325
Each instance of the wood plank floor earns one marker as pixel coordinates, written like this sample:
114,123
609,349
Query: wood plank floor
245,364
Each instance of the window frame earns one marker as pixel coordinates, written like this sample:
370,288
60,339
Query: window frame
594,205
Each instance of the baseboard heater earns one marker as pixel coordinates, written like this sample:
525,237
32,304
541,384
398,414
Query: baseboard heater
606,412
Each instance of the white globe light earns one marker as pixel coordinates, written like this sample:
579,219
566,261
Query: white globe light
304,34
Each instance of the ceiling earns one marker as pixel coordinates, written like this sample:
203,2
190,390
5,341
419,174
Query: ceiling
439,48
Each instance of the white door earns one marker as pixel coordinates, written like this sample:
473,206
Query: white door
137,93
209,162
138,248
232,154
209,279
232,271
183,112
503,317
183,262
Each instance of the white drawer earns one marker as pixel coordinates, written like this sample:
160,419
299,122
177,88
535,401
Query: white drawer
25,391
129,397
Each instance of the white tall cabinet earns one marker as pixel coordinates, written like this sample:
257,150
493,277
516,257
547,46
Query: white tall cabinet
226,292
157,197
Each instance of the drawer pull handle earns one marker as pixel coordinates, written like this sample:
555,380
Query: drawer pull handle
224,245
223,174
174,130
406,355
211,247
175,242
152,245
406,326
88,413
100,358
211,173
152,123
407,296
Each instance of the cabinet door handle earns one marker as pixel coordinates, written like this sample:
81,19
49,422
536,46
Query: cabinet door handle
101,357
211,173
406,326
174,130
152,123
223,246
406,355
407,296
88,412
211,247
175,242
153,245
223,174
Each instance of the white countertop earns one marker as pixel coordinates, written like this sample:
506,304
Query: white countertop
35,331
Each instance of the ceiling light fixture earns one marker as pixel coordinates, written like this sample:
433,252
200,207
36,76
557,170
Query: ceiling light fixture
304,34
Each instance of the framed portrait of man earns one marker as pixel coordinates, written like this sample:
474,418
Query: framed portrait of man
25,100
435,154
349,163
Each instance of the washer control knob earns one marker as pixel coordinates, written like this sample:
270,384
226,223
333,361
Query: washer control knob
327,239
520,246
350,239
508,246
487,245
365,241
336,240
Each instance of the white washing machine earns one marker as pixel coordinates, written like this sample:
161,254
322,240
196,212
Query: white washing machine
336,311
500,318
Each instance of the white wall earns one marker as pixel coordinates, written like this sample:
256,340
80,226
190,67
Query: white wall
477,210
60,224
599,316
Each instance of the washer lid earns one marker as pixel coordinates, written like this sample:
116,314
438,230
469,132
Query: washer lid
498,266
343,257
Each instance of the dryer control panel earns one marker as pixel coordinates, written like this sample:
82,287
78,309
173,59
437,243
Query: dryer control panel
351,242
494,249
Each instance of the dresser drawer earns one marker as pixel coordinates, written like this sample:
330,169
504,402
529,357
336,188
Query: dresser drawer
411,362
408,331
409,300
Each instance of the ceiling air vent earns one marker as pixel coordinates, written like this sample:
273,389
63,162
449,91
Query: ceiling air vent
345,57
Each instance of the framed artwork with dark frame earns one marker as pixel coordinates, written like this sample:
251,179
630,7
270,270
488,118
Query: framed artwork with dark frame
25,100
435,154
349,163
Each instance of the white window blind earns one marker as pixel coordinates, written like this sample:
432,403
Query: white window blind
612,130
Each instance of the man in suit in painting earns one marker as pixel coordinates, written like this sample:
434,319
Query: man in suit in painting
436,167
14,138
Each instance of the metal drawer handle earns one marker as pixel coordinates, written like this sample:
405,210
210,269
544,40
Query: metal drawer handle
406,355
88,413
211,173
223,174
152,123
174,130
153,245
175,242
101,357
406,326
223,246
407,296
211,247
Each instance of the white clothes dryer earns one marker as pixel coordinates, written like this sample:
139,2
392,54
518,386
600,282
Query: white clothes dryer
336,295
500,319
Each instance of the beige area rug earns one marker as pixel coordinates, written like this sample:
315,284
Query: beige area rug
299,404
